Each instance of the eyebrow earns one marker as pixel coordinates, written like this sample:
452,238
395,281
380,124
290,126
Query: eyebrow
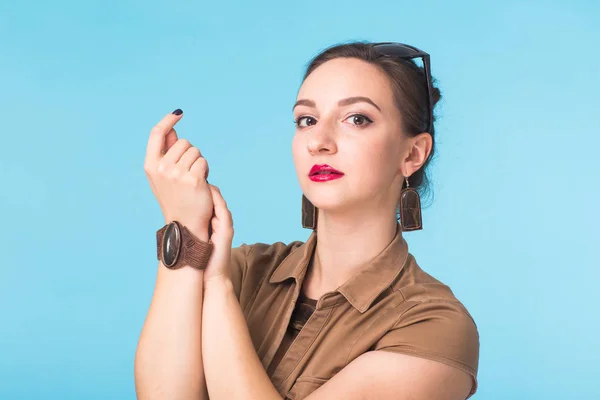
344,102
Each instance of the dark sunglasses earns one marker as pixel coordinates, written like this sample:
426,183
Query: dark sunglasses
406,52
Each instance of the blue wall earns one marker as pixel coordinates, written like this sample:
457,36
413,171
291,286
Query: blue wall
512,229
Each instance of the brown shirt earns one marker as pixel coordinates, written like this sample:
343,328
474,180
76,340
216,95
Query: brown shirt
303,310
390,305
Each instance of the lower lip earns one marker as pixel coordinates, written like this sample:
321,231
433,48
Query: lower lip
324,177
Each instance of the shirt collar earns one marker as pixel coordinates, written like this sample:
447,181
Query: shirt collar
362,288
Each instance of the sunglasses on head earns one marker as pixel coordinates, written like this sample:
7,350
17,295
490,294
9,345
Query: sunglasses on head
406,52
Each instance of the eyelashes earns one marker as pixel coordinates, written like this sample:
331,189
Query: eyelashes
358,120
299,121
360,117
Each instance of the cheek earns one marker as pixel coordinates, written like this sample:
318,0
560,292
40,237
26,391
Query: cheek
376,161
375,151
298,152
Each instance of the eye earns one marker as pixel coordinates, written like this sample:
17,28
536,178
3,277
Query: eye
359,120
303,122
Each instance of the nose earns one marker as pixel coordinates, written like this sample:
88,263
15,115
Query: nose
321,140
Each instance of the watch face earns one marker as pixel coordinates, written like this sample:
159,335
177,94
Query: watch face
171,244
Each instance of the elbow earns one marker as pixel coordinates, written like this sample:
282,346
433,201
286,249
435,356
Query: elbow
155,383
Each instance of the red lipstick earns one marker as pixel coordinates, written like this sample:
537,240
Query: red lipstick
323,173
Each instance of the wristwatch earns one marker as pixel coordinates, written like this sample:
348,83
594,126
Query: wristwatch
176,247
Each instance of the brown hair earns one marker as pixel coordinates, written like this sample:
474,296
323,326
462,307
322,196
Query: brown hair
409,86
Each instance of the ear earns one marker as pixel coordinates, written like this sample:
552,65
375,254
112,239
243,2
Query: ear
419,150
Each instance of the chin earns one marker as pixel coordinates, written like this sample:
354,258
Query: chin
328,202
330,196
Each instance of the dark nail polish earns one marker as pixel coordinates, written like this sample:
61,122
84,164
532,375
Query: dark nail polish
178,112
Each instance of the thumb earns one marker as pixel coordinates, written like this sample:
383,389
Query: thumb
170,139
222,221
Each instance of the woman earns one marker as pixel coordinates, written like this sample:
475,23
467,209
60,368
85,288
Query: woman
348,314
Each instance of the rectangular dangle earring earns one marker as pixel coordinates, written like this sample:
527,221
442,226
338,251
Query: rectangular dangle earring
410,209
309,214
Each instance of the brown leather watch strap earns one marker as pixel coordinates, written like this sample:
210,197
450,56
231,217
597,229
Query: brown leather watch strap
193,251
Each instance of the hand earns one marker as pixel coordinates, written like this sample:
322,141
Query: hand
222,237
177,173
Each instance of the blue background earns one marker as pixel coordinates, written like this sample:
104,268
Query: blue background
512,228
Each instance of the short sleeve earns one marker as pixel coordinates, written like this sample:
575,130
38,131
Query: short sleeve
252,264
441,331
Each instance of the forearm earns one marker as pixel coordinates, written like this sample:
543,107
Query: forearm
168,360
232,367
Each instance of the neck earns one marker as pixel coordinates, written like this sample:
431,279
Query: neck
345,244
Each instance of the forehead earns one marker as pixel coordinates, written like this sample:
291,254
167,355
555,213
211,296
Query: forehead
346,77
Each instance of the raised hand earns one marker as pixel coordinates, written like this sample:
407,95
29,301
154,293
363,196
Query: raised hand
177,173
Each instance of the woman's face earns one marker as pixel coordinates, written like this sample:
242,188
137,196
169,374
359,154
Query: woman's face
346,118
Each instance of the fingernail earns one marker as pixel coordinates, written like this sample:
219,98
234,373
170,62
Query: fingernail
178,112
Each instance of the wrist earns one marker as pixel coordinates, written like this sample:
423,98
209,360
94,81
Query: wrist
200,233
177,246
219,283
200,229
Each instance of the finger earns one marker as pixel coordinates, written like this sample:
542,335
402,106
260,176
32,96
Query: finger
200,168
175,152
188,158
156,142
221,211
170,140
